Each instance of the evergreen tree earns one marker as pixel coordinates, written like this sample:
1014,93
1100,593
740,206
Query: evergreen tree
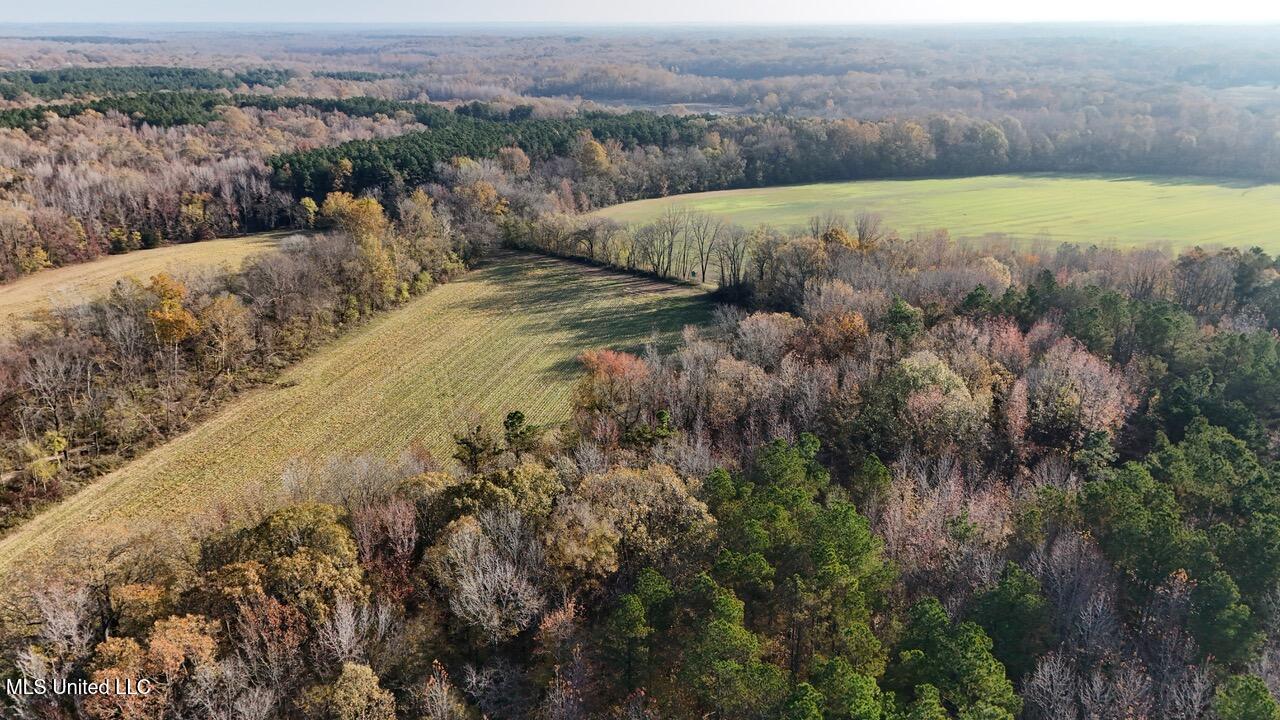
1015,615
1245,697
955,658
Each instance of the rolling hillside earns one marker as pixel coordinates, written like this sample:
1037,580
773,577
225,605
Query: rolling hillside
1172,211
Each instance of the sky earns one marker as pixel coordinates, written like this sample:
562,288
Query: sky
646,12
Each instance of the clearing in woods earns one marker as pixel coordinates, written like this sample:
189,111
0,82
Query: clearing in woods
504,337
21,299
1175,212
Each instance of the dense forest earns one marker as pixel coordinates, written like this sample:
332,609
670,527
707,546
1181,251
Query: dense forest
922,498
80,187
73,82
901,476
166,109
826,106
413,159
640,155
774,151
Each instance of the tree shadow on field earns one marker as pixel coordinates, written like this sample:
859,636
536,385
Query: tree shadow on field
1158,180
565,297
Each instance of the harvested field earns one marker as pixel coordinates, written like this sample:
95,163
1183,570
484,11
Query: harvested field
504,337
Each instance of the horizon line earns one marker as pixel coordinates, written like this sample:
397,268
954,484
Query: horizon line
612,24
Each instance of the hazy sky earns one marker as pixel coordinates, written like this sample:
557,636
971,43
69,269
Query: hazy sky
643,11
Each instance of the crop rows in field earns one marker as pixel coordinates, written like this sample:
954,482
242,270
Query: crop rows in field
503,338
22,299
1175,212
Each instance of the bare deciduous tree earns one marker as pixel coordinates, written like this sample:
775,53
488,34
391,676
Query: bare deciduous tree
869,228
821,226
488,565
268,637
1050,690
703,232
731,250
224,691
437,699
340,638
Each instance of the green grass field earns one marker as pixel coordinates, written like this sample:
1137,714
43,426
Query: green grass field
1170,211
22,299
502,338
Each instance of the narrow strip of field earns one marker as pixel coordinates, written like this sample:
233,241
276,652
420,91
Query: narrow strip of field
503,338
1176,212
23,298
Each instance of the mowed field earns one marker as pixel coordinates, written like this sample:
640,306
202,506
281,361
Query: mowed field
23,298
505,337
1174,212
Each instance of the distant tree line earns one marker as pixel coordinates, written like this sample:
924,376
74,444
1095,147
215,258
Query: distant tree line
167,109
354,75
410,160
776,151
78,39
68,197
160,109
634,155
54,84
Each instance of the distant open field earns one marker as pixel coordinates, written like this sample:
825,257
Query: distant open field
21,299
503,338
1171,211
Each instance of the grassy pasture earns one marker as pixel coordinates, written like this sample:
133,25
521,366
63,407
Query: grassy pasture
23,298
504,337
1174,212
